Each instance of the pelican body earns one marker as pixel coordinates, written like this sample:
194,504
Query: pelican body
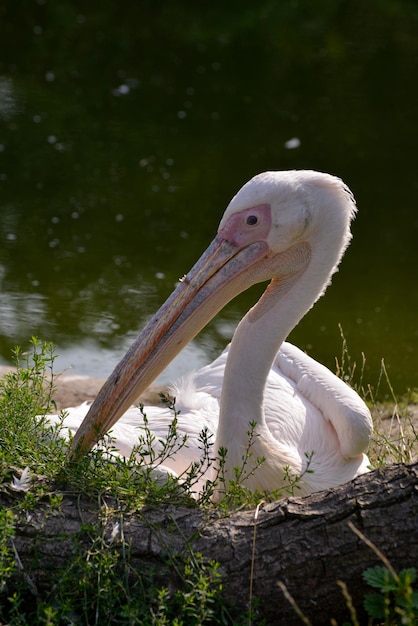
290,228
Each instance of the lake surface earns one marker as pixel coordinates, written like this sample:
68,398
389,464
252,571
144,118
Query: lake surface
124,134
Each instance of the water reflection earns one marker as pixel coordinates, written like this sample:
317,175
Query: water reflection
91,358
120,146
17,314
9,105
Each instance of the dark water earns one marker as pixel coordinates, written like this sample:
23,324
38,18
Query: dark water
124,132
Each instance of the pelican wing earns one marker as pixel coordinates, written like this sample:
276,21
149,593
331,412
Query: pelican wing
337,402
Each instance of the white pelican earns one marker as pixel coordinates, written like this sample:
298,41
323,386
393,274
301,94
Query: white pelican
293,228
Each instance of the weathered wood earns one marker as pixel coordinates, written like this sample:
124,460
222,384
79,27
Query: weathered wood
304,542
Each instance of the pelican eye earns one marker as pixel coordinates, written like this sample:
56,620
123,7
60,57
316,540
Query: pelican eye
252,220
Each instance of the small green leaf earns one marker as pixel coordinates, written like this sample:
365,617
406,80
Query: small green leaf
374,576
407,576
375,605
380,578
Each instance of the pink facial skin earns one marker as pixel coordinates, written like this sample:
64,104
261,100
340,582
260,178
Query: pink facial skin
248,226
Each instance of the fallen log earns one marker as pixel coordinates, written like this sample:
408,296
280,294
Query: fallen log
304,543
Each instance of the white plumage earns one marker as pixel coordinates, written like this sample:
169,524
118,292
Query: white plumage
293,228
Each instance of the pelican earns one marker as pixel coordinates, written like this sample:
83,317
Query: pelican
289,227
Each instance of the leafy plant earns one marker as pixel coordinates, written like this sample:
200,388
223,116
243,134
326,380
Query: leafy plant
7,524
99,585
396,602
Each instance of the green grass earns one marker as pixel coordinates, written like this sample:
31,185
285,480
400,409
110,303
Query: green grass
99,580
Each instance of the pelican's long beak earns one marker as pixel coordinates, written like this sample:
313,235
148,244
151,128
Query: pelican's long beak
224,270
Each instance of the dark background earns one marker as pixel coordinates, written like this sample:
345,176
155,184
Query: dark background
125,128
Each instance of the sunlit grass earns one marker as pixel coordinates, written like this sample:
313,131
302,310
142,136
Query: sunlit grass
395,420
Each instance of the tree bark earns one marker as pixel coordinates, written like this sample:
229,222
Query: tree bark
306,543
